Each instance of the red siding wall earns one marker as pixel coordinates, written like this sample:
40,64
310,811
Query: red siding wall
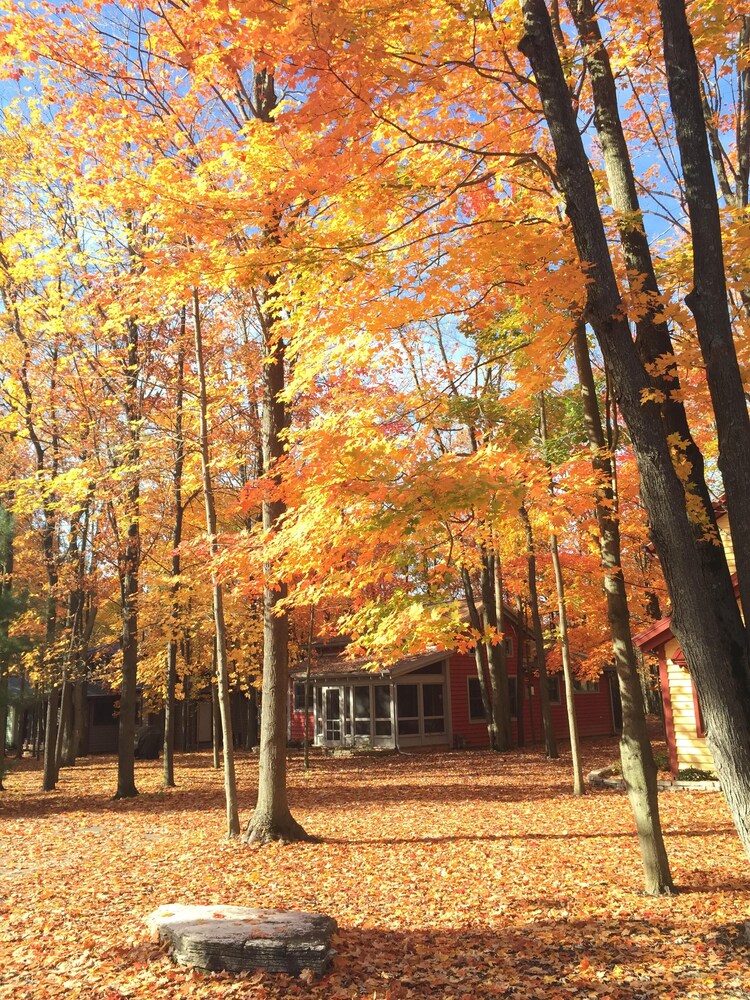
297,719
593,710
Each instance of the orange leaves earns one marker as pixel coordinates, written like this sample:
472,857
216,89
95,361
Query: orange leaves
450,875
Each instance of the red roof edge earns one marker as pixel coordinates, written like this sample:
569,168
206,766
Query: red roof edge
655,635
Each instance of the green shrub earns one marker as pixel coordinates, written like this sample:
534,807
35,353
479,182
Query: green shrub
695,774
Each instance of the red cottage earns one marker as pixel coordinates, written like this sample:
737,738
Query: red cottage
430,700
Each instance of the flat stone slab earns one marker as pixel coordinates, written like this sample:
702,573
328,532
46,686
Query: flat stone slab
241,938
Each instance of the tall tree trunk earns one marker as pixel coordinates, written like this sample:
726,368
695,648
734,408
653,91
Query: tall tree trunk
708,300
220,642
129,564
570,702
272,818
705,619
636,756
550,741
179,514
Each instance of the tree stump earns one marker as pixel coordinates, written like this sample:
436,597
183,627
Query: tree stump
240,938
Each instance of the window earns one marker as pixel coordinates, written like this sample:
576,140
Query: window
361,711
553,686
299,696
508,641
476,708
103,711
513,696
383,725
407,709
432,708
431,668
585,687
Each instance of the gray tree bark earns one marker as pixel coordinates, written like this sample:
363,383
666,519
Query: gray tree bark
705,618
636,756
272,818
220,647
550,740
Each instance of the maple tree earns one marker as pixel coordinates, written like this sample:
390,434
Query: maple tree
348,186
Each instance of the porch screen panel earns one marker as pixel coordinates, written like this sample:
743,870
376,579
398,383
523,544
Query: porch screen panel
362,713
407,707
383,710
434,710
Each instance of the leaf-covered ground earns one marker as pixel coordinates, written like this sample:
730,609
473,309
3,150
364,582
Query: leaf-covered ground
451,875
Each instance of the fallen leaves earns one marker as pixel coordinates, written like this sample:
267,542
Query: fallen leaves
451,875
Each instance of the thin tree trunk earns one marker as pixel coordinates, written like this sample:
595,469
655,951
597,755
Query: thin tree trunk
306,738
476,623
179,514
520,700
215,727
496,662
636,756
3,717
222,664
49,776
65,726
705,619
570,703
550,741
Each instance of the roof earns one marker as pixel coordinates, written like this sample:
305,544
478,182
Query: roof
660,632
340,666
655,635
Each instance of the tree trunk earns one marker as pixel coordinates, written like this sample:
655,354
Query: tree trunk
3,718
705,619
570,703
129,569
272,818
79,710
220,642
49,775
251,733
179,514
636,756
550,741
476,623
496,662
308,664
215,728
63,742
708,300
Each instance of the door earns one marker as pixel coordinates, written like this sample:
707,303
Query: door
332,712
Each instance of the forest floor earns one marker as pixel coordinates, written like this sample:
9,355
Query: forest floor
454,876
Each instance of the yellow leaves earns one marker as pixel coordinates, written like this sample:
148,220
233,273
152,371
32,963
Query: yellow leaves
475,881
